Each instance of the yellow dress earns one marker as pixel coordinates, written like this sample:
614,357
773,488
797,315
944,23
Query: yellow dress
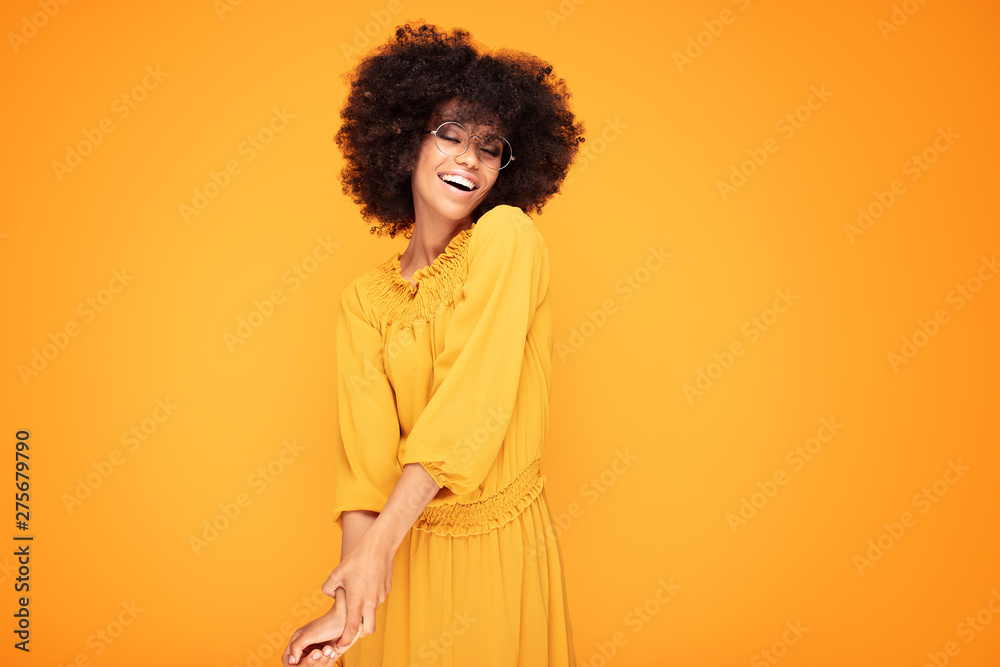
452,371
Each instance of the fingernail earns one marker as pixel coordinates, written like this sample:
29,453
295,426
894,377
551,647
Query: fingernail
327,650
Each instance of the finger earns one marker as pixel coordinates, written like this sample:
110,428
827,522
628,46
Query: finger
317,658
366,626
298,645
329,660
338,652
331,585
286,656
349,635
330,656
307,652
368,618
353,620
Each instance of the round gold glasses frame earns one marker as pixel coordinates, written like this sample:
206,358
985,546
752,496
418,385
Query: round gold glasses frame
508,151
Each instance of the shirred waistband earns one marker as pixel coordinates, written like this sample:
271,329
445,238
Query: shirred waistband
482,516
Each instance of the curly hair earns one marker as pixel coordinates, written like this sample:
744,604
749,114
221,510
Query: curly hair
397,90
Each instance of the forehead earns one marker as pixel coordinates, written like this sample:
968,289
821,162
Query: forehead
475,120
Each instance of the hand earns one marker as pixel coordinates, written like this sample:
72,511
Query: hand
365,574
307,645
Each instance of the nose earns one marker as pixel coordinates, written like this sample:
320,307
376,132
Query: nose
470,157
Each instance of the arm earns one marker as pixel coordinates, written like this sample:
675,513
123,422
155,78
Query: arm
367,434
477,373
370,543
367,567
413,492
415,489
365,473
356,522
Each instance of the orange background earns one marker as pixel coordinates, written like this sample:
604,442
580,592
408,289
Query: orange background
662,134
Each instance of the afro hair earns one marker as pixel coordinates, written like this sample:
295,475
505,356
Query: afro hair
399,88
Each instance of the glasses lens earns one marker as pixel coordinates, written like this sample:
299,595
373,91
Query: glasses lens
451,139
493,151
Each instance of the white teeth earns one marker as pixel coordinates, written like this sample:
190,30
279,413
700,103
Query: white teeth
452,178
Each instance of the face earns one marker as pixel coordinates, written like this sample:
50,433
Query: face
433,196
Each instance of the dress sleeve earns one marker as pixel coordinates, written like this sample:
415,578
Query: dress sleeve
367,435
458,434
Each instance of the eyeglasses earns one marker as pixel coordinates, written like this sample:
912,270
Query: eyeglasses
453,139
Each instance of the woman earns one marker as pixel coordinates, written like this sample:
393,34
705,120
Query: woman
444,358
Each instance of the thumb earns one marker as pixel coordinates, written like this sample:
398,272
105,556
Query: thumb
340,648
331,585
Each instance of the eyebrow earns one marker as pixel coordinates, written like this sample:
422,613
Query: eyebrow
485,133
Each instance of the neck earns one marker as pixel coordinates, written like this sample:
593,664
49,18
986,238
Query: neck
431,235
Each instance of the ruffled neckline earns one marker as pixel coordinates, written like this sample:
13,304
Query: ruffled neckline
399,303
450,254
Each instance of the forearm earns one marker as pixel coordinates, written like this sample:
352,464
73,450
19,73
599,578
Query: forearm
413,492
356,522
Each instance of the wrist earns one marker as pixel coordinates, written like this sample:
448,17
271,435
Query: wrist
382,537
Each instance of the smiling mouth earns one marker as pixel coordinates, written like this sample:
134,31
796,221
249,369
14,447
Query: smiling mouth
459,183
